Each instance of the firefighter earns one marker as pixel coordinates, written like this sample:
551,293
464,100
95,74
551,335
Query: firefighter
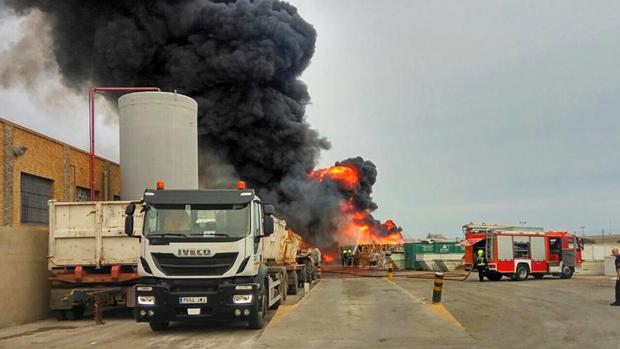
349,258
480,265
344,257
616,254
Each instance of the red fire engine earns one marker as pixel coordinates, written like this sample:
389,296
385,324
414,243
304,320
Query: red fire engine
519,252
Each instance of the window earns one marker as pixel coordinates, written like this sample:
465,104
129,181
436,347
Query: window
521,247
83,194
35,192
221,221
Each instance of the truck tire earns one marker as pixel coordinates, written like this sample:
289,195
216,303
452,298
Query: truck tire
293,283
494,276
75,313
284,285
309,271
159,326
521,273
567,272
59,314
257,318
301,276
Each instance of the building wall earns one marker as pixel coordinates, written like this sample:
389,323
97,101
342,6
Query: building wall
24,289
2,196
45,157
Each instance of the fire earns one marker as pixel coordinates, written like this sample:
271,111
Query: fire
345,175
358,226
328,258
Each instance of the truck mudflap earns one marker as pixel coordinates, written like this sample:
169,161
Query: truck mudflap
186,300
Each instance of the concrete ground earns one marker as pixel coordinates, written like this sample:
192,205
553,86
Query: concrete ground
352,312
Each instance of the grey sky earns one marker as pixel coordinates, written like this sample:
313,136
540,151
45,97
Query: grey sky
479,111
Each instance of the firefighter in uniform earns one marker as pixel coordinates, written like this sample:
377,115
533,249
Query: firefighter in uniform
617,262
480,265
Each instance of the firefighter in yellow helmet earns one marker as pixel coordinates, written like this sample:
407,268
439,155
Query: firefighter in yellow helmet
349,257
481,265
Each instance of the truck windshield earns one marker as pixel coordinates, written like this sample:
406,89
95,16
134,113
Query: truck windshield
197,221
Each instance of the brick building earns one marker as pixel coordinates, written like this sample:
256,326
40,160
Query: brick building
36,168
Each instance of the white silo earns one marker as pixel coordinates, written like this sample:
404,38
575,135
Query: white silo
158,141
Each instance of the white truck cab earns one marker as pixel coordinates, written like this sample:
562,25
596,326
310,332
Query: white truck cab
201,257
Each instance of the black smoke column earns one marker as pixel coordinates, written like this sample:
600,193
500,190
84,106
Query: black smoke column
240,60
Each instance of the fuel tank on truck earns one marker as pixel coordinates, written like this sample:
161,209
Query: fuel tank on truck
158,141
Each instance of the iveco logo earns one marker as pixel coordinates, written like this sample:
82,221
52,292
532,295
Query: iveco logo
193,252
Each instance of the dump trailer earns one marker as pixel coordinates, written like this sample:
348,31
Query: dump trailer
203,255
280,251
93,263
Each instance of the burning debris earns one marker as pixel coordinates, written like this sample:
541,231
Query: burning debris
241,60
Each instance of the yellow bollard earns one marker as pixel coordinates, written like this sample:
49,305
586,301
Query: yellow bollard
437,288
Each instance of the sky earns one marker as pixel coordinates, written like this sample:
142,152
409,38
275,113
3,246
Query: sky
483,111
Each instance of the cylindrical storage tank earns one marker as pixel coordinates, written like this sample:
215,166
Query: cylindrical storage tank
158,141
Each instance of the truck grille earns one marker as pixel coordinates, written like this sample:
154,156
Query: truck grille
170,264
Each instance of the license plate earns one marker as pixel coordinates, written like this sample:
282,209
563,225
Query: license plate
192,300
193,311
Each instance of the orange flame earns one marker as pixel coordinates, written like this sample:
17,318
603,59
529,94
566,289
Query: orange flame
358,225
345,175
327,258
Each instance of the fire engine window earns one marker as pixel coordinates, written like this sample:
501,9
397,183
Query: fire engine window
555,245
521,247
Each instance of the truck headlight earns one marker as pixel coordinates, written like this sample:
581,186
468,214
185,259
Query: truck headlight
242,298
146,300
243,287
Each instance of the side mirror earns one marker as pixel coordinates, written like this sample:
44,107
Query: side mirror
267,225
131,208
268,210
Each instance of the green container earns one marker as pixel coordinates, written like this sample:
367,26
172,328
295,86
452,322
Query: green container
443,248
410,255
424,248
414,248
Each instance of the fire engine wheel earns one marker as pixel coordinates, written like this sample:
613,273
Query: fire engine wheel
257,317
521,273
494,276
567,272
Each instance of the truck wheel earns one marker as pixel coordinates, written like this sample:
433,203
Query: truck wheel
538,275
301,277
567,272
521,273
257,318
283,285
75,313
293,284
59,314
494,276
309,271
159,326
